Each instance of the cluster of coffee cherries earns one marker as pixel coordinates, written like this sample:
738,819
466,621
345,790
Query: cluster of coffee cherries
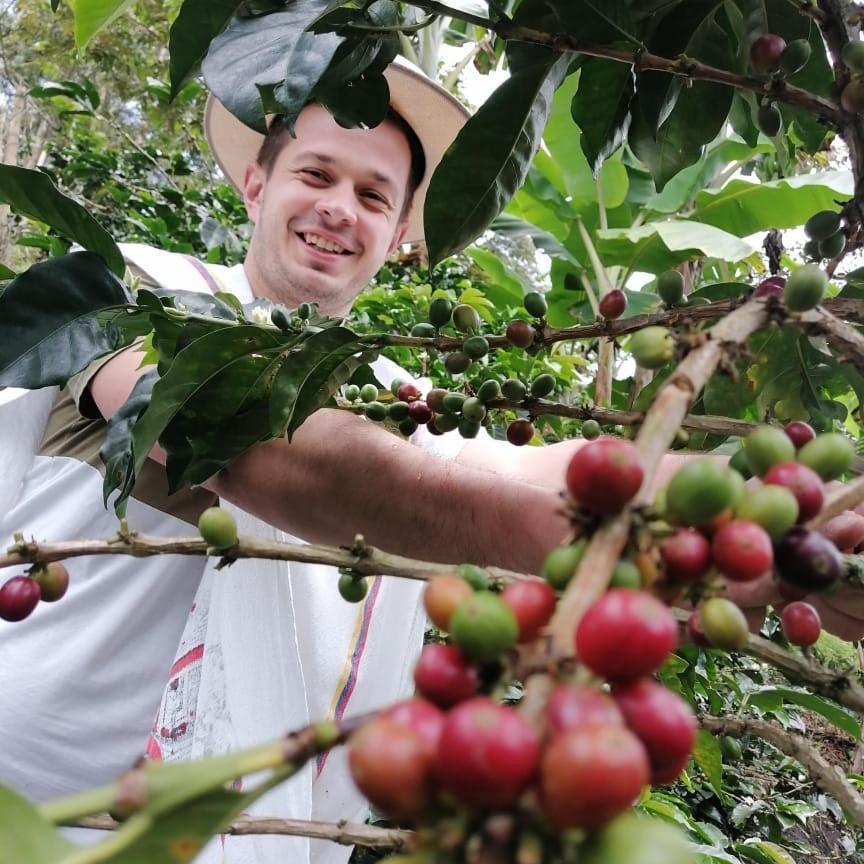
770,54
21,594
826,235
585,761
442,410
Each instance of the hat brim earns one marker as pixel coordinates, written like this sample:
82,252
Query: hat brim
434,114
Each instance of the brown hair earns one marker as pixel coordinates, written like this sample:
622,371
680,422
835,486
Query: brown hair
277,137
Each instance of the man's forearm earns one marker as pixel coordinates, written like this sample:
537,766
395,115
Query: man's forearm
340,475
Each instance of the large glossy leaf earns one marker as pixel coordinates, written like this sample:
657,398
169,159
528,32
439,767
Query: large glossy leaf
32,194
268,51
296,390
192,369
55,319
601,108
743,207
25,837
513,226
490,157
773,697
116,451
92,15
699,115
503,286
197,23
658,246
596,20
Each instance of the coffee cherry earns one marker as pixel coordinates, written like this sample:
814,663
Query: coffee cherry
520,432
424,330
852,97
535,304
769,120
408,392
765,52
407,427
419,412
280,318
218,528
795,56
484,626
392,767
352,392
440,312
475,347
808,559
663,722
561,563
53,581
590,429
575,706
799,433
801,624
605,474
652,347
19,596
852,55
742,551
613,305
487,754
375,411
442,596
771,506
686,555
626,575
805,288
444,675
368,393
834,246
475,576
513,389
457,362
397,411
770,287
453,402
636,839
444,423
466,319
670,287
822,225
542,385
803,482
811,251
435,399
468,428
738,462
695,630
520,333
830,455
724,624
700,491
768,446
590,775
353,589
625,635
532,603
473,409
489,390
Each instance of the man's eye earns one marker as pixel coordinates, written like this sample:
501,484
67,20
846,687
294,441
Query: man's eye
376,196
313,172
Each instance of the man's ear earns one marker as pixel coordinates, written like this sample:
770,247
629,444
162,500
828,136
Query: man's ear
254,181
401,228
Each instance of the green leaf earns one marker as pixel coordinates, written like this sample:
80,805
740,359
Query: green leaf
504,288
743,207
297,387
6,273
32,194
53,320
25,837
658,246
197,23
764,852
192,369
116,451
601,108
267,51
699,115
490,157
707,756
768,698
92,15
601,20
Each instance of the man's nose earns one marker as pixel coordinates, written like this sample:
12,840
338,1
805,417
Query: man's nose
337,204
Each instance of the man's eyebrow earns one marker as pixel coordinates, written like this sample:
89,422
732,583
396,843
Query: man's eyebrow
329,160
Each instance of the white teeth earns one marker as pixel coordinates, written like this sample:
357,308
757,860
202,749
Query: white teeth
315,240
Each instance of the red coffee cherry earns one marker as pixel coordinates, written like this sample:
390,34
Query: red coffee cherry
605,474
18,598
742,550
799,432
533,603
575,706
801,623
803,482
613,305
444,676
686,554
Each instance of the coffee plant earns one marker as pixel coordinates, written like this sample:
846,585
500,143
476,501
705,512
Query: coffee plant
614,706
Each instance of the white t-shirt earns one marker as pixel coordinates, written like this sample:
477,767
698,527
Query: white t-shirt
259,655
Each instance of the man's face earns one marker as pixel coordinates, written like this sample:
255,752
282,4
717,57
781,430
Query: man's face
329,214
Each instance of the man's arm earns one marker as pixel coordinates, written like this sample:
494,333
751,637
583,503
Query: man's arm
342,475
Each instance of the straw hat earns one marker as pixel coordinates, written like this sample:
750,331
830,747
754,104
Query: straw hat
434,115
